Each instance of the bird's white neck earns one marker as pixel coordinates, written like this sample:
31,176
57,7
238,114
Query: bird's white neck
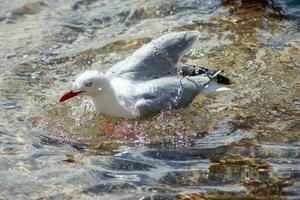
108,102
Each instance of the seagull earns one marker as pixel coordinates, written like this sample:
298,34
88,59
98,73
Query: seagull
150,80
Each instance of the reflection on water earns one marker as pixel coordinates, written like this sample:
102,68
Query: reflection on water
241,144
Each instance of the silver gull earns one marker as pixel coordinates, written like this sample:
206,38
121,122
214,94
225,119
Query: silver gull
150,80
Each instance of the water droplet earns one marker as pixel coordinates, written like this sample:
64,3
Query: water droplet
34,75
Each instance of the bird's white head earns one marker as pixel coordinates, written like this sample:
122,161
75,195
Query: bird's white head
90,83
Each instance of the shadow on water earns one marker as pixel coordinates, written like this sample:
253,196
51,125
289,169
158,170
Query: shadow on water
243,144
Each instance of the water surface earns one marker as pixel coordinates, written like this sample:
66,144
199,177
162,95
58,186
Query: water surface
243,143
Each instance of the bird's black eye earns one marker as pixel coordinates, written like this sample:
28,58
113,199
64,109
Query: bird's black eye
88,84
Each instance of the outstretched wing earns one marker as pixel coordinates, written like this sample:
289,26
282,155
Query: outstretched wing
155,59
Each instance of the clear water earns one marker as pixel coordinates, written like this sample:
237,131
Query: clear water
243,143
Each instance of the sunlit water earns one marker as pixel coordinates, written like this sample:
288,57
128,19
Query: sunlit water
245,142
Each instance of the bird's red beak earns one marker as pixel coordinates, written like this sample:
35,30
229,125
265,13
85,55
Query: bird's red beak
68,95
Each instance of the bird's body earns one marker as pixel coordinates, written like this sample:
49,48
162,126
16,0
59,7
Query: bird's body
148,81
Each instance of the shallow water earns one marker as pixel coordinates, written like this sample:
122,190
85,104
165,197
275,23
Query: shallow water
243,143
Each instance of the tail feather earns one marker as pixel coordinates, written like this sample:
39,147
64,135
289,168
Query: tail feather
214,86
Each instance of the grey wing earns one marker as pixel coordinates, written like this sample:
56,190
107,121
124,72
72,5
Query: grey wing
155,59
169,93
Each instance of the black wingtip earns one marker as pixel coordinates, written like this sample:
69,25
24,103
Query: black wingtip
191,70
223,80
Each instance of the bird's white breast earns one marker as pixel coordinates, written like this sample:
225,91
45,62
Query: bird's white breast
119,101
